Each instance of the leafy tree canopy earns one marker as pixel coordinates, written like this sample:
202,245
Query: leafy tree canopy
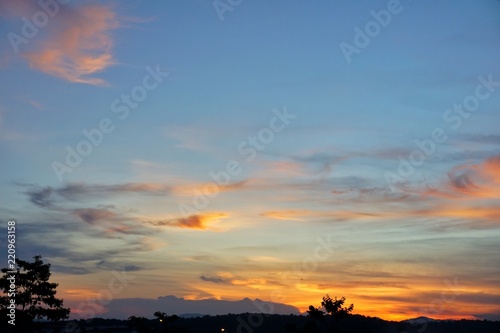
335,307
33,293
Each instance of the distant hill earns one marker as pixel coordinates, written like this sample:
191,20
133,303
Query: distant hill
144,307
419,320
191,315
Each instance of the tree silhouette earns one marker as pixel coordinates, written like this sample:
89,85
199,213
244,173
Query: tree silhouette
34,295
335,307
315,313
139,323
165,320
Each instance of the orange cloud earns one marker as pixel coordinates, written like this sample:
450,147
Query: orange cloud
229,279
487,213
287,168
192,222
467,194
195,221
77,45
79,293
295,215
256,283
211,188
301,215
491,168
479,180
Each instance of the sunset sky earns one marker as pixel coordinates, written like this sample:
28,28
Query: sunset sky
261,149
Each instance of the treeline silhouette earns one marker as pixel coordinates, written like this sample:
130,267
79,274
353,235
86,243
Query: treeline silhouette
232,323
350,324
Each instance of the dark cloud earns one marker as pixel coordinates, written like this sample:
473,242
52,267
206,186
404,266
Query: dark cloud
481,138
466,155
73,270
118,266
57,239
91,215
214,279
323,162
462,177
41,197
76,190
64,199
326,160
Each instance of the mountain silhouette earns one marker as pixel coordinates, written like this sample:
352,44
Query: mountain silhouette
144,307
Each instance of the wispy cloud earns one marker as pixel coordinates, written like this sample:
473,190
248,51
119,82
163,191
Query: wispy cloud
190,190
73,200
302,215
76,43
471,213
466,195
493,139
231,279
46,196
25,99
215,279
41,197
287,168
325,160
194,138
469,181
91,215
481,180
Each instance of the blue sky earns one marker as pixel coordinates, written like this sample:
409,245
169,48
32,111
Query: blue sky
331,168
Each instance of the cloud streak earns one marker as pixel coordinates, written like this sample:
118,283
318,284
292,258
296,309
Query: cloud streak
92,215
196,221
302,215
46,196
215,279
478,180
74,45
